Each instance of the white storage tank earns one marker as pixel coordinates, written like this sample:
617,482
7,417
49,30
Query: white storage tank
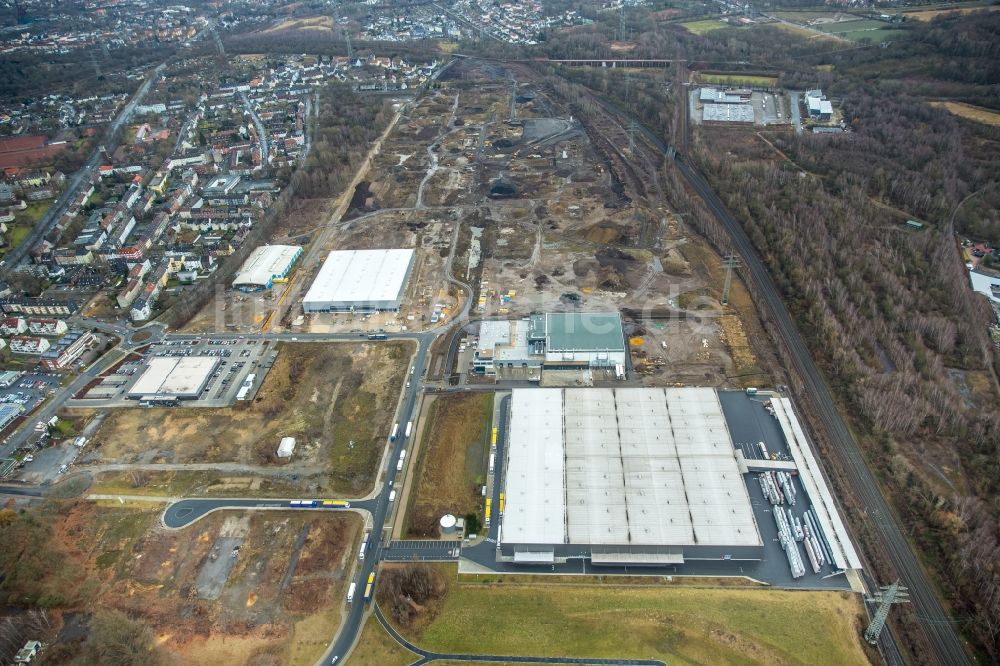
448,523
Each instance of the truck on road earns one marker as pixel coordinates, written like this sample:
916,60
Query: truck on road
395,429
409,429
370,586
350,593
493,460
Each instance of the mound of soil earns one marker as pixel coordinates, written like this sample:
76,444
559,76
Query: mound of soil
611,279
582,267
615,258
606,233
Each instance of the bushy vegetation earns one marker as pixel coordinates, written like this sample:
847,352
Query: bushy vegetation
403,591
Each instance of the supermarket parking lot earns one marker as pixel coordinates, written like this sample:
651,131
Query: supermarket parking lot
226,366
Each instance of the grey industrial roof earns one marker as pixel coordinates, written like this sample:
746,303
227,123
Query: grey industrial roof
727,113
535,501
174,376
584,331
632,466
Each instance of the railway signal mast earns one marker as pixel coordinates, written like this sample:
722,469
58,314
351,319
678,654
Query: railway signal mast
885,597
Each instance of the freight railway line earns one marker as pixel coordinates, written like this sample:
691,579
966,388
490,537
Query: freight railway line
845,449
936,624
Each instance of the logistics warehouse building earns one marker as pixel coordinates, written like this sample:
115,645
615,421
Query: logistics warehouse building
551,340
360,281
170,379
644,476
266,265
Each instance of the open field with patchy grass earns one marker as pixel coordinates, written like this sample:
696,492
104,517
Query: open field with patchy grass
737,79
377,648
701,27
452,461
806,16
337,400
679,626
801,31
970,112
227,590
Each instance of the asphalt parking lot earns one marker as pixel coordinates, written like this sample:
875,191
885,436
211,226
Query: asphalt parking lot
30,389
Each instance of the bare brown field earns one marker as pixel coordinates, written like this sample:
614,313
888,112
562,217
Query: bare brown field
323,23
931,14
970,112
112,557
452,461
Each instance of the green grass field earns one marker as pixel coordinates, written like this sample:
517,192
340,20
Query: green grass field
804,16
843,27
876,36
16,235
701,27
679,626
735,79
34,211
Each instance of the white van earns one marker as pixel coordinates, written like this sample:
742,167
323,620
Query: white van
392,496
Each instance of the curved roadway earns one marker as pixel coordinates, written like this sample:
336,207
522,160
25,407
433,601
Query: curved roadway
427,656
183,512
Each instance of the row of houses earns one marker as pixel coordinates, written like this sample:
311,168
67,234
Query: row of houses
44,327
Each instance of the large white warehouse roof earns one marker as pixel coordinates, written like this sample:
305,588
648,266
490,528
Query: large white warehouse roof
361,279
624,467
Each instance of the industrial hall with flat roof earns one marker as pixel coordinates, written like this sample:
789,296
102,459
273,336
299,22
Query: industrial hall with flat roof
637,475
663,477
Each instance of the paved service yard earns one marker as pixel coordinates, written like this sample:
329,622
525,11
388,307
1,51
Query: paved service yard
237,359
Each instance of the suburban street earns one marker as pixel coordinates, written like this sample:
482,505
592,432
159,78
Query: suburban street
75,181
